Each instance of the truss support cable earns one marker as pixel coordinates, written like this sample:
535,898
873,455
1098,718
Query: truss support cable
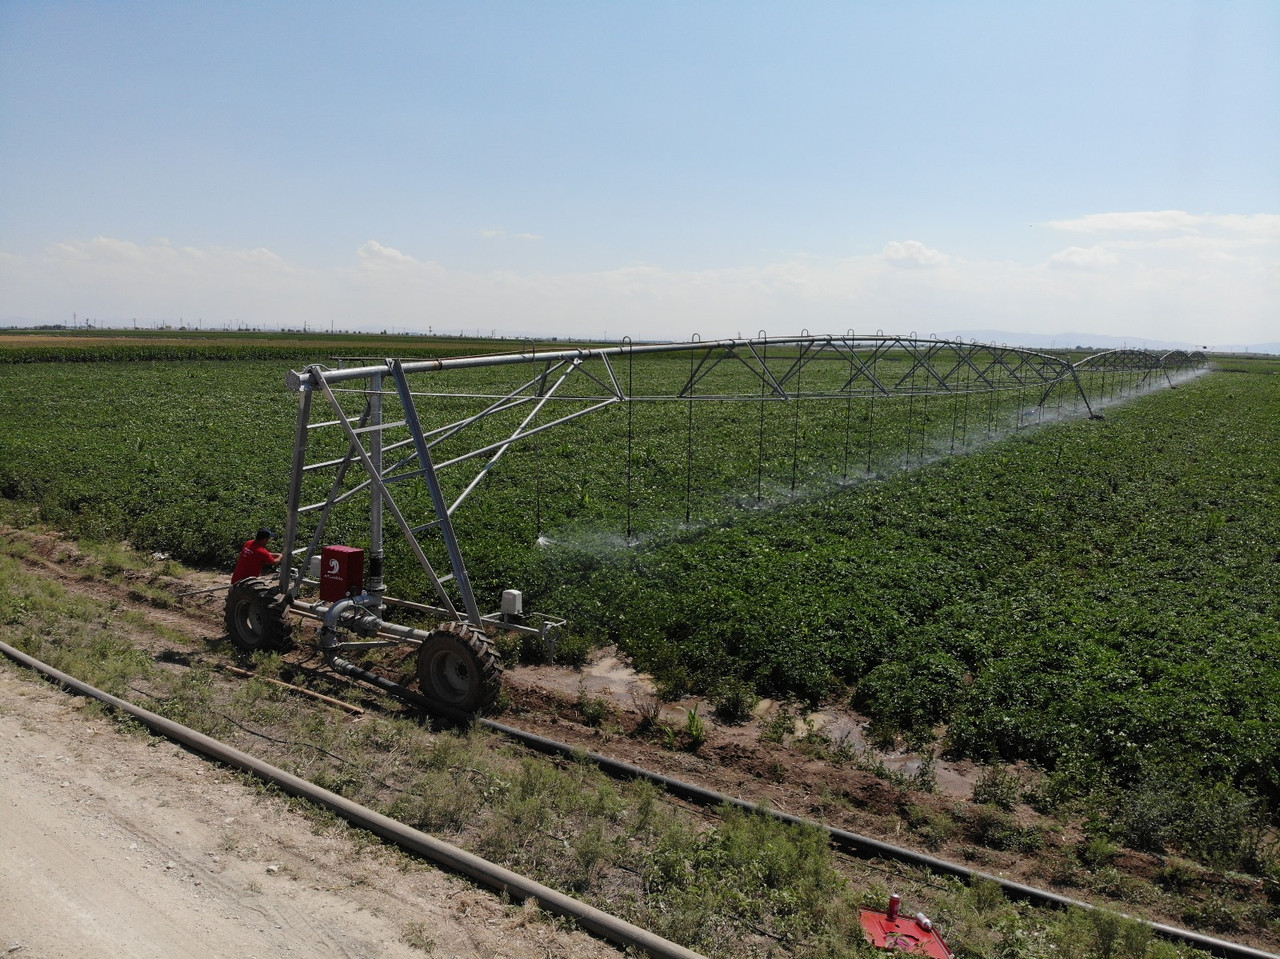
495,877
955,418
871,438
924,424
500,448
911,411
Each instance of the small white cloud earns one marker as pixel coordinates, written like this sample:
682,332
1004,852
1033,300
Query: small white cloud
375,252
1259,225
1080,257
504,235
913,253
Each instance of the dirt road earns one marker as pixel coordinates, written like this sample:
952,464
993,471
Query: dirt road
123,845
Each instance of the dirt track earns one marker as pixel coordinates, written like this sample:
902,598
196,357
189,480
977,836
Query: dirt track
114,844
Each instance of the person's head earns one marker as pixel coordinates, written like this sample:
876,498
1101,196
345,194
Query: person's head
264,534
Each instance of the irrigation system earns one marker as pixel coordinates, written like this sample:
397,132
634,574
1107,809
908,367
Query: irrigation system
406,443
379,437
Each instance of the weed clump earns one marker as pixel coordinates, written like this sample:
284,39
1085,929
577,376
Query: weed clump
734,701
998,787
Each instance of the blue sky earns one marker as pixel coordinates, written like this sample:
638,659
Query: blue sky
645,169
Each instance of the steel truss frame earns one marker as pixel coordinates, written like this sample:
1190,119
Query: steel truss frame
587,380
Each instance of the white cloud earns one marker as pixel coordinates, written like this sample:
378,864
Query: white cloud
1264,226
913,253
1174,285
1085,258
504,235
375,252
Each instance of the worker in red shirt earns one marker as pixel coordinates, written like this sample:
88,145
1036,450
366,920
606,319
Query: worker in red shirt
254,556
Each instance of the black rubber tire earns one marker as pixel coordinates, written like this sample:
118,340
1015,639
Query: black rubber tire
459,667
255,616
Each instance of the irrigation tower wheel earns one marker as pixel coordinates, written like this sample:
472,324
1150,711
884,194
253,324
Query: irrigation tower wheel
255,616
459,667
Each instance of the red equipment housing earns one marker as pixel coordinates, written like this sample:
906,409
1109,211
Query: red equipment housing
341,572
912,935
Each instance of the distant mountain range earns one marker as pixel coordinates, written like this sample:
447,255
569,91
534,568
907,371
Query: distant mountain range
1098,341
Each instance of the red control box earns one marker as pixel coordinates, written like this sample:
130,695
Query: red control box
341,572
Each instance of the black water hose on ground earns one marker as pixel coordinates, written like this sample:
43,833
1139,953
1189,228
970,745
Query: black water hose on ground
608,927
862,846
867,848
602,924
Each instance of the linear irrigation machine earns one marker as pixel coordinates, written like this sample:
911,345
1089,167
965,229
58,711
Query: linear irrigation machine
373,441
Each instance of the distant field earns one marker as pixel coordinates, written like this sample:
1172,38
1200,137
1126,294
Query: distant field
87,346
1246,363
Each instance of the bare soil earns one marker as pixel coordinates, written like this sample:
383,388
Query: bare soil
114,844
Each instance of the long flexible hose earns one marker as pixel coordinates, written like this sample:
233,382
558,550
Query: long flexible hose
608,927
852,843
866,847
615,930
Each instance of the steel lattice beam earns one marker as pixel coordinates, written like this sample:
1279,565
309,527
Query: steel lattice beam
565,385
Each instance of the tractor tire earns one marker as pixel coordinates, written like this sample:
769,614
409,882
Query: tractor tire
255,616
459,667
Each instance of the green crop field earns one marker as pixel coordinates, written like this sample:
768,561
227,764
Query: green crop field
1097,598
